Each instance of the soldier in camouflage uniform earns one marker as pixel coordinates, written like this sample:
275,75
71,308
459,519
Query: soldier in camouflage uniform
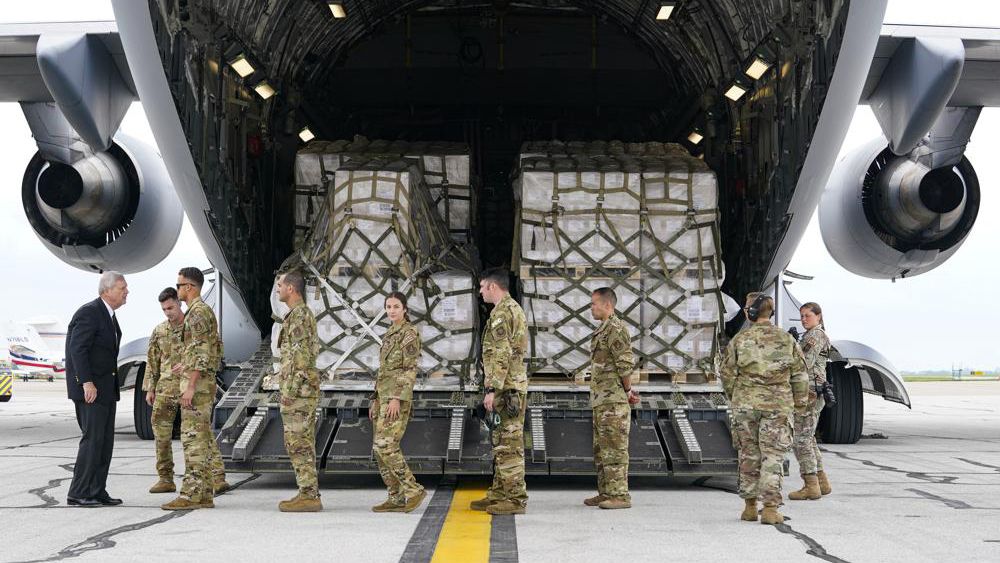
200,357
506,385
298,380
765,378
390,409
162,387
816,348
611,366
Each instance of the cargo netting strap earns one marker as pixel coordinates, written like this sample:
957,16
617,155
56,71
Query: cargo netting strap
348,280
446,191
648,275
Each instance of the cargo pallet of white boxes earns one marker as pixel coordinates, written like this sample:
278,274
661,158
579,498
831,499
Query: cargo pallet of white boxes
444,168
641,218
381,227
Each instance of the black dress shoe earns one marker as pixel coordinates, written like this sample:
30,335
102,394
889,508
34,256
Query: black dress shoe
106,500
85,502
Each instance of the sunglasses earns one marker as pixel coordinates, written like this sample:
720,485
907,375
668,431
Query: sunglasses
180,285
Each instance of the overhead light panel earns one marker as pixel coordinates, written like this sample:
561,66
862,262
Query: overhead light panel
337,9
306,135
735,92
757,68
666,10
264,89
695,137
242,66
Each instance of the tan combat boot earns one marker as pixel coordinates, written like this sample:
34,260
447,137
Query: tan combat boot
595,501
481,504
750,510
771,515
163,486
221,487
824,483
181,503
388,506
300,503
809,491
413,502
614,503
505,507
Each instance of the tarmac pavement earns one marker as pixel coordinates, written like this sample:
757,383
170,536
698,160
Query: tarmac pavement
923,485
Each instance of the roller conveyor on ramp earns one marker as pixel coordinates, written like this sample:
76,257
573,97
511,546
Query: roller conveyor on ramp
682,431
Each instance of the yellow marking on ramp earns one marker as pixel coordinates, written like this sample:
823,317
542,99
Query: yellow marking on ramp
465,535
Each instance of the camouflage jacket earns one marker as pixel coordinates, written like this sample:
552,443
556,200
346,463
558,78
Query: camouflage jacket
611,360
164,351
398,360
764,369
202,348
816,349
504,343
298,344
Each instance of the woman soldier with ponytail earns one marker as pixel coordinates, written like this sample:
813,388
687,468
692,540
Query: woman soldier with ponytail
816,349
391,407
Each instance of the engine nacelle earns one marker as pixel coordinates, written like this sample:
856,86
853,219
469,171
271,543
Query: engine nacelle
885,216
115,210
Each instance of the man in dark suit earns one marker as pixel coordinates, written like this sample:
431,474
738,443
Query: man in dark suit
92,381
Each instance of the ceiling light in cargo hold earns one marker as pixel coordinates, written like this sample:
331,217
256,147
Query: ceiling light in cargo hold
735,92
306,135
242,66
337,9
757,68
264,89
666,9
695,137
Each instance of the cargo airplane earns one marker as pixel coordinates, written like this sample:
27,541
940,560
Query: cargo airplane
762,90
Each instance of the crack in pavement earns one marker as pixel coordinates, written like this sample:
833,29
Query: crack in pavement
980,464
815,549
950,503
39,443
943,480
104,539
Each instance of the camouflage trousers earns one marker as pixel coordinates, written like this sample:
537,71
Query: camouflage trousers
202,461
762,439
806,450
508,453
162,419
611,429
386,436
298,415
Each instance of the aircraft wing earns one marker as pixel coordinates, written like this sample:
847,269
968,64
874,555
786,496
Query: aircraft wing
20,78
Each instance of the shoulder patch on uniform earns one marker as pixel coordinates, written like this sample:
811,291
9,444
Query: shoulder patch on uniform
500,330
618,344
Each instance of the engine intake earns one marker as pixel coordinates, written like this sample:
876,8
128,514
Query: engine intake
114,210
886,216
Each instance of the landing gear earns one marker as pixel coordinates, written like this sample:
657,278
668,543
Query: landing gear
142,412
842,424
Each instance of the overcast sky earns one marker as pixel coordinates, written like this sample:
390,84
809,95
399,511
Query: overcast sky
935,320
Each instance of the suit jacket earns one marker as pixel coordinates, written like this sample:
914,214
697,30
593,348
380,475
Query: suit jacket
92,342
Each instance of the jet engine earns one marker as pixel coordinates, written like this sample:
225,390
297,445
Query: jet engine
112,210
885,216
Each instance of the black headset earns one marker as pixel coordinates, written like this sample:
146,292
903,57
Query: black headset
753,311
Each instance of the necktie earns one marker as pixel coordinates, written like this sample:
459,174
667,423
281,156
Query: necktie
118,331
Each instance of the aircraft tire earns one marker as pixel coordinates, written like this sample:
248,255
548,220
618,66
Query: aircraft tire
142,412
5,398
842,424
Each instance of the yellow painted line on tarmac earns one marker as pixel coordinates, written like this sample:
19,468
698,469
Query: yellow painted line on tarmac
465,535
